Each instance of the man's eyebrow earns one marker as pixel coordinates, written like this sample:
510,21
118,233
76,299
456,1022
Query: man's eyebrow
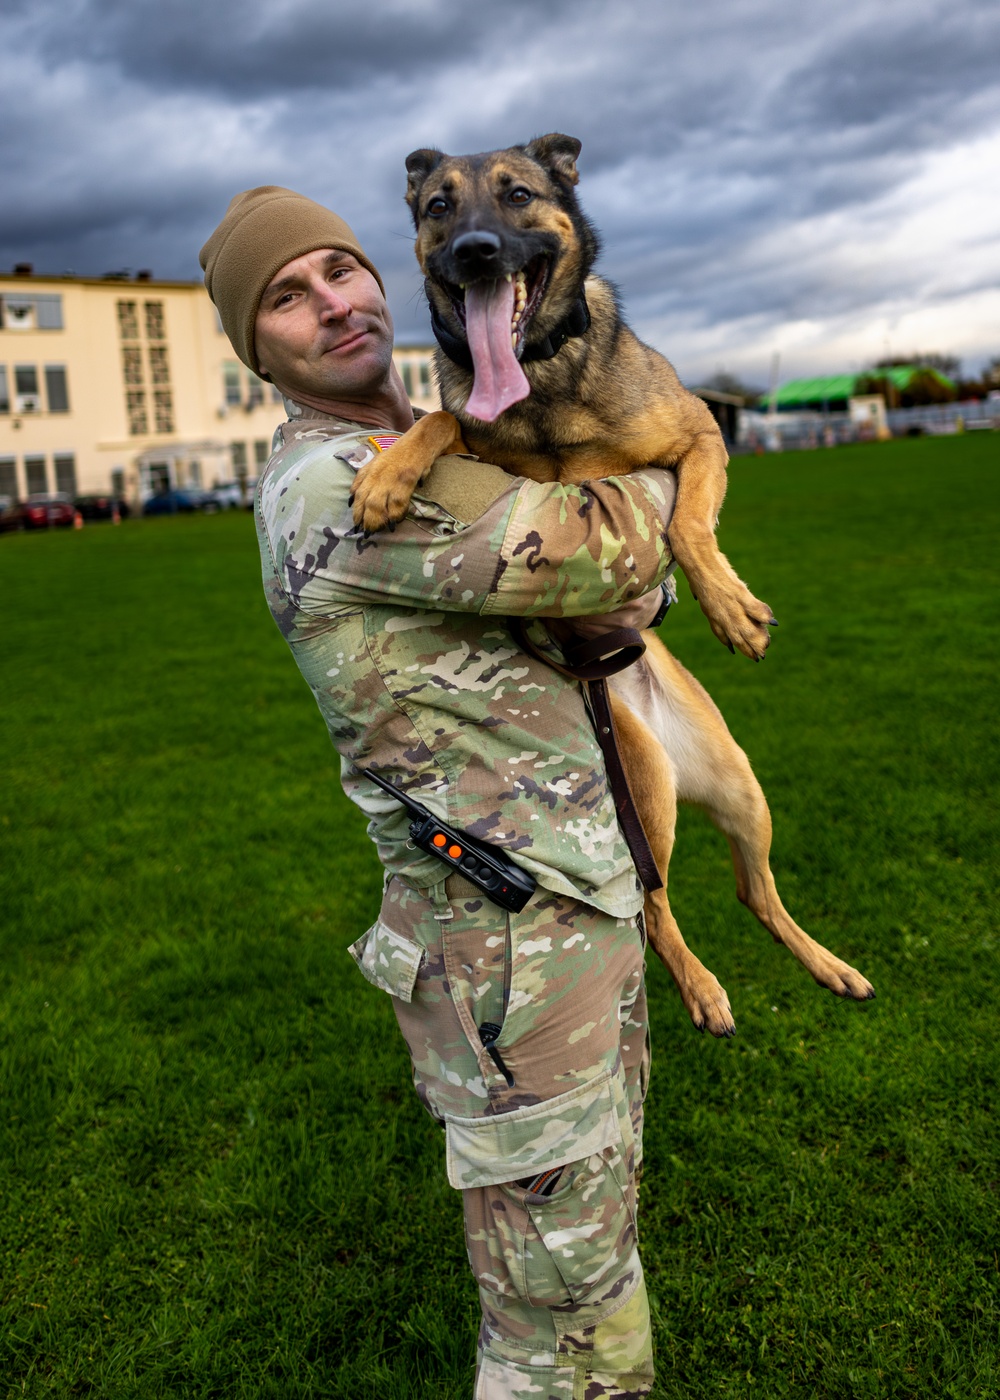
334,256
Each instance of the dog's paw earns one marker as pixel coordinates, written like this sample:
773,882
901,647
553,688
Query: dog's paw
843,980
381,495
706,1000
739,620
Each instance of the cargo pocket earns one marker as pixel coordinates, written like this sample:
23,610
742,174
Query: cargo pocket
388,960
581,1236
499,1147
552,1251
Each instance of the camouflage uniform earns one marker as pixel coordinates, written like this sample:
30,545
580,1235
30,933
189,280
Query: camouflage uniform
401,638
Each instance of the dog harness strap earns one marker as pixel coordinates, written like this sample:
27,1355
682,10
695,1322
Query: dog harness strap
628,816
628,646
455,348
590,660
604,656
576,322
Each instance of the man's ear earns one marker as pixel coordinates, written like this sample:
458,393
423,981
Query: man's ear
557,153
419,165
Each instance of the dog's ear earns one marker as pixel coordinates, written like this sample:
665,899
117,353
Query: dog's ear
557,153
419,165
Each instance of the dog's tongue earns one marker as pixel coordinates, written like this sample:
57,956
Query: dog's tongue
499,379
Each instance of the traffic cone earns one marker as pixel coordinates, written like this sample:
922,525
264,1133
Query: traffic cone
116,515
77,520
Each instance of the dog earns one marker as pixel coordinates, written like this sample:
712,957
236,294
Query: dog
540,374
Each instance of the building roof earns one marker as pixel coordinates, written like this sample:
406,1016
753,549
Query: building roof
23,281
798,393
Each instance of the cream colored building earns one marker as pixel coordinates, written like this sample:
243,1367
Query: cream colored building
129,385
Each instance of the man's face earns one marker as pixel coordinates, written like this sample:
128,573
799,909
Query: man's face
323,328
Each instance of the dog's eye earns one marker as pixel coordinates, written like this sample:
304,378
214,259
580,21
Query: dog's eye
520,196
437,207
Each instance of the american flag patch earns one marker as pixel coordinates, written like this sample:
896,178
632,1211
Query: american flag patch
383,441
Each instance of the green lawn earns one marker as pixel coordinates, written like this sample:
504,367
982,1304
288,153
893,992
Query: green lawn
214,1177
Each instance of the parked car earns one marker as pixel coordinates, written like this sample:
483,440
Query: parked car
101,507
180,502
11,514
229,496
42,512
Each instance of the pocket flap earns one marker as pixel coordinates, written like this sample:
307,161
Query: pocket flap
388,960
505,1146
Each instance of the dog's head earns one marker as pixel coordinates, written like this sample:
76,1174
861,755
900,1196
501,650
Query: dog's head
505,250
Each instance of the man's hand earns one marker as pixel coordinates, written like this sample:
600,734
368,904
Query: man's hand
638,614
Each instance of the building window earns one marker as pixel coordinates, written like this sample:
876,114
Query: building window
65,465
154,321
163,408
194,472
8,478
4,391
276,396
118,481
232,397
408,378
26,397
56,389
425,378
132,364
255,390
135,400
261,452
159,367
36,475
41,311
128,320
238,457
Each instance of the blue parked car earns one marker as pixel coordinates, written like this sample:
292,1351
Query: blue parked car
180,502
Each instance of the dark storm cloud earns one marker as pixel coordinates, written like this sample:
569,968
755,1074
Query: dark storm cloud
252,51
739,160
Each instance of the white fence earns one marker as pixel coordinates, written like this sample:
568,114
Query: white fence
777,432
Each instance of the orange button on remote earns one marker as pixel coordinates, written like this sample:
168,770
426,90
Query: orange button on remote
454,852
440,839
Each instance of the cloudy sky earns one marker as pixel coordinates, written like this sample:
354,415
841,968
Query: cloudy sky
770,176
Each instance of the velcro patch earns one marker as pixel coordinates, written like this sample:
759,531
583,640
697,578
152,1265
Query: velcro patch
383,441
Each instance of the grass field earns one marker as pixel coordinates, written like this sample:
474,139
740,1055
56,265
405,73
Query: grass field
215,1180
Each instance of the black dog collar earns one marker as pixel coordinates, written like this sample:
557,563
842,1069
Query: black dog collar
575,323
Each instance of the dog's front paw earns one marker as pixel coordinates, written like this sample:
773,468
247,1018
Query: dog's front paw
739,620
381,495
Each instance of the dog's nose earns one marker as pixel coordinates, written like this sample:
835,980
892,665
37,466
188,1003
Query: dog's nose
476,248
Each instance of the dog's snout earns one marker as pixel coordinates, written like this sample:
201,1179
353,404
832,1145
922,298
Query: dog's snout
479,248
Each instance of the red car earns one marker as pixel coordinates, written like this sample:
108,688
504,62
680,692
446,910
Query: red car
44,511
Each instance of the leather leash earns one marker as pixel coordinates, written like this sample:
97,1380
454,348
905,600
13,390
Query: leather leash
591,662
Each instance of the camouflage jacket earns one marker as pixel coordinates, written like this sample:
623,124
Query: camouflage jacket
401,638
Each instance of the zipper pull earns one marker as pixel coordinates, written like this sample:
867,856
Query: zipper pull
488,1033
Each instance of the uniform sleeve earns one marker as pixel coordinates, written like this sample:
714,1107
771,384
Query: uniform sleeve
538,549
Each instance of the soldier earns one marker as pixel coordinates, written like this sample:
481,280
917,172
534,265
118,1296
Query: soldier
527,1032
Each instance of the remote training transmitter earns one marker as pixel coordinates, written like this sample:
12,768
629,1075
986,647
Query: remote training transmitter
489,869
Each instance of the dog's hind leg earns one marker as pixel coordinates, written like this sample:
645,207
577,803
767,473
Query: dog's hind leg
712,772
652,785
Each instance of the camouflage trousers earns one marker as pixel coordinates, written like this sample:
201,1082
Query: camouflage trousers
528,1038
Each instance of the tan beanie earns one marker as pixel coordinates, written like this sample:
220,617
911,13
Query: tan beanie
263,229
